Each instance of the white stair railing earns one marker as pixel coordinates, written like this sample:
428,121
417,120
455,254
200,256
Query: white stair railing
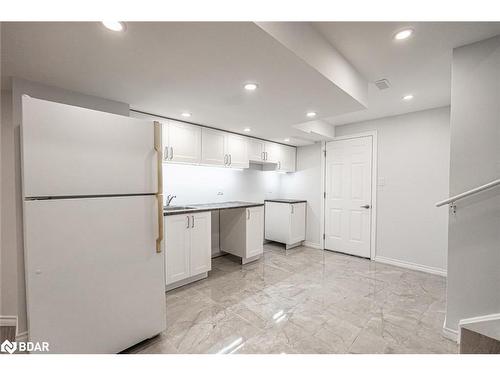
453,200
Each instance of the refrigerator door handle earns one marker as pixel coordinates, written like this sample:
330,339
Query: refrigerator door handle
159,194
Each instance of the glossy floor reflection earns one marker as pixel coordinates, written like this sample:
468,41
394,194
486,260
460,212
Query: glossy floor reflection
305,301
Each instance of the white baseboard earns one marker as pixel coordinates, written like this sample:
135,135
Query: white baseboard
8,320
477,319
411,266
313,245
450,334
23,336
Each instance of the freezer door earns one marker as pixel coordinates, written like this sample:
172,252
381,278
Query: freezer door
95,283
73,151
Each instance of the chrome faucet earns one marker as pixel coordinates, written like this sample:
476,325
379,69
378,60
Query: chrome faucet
169,198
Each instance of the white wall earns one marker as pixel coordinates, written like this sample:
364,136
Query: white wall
474,233
13,285
306,184
413,165
199,184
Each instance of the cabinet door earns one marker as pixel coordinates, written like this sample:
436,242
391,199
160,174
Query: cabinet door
213,147
297,223
184,141
278,221
272,151
286,162
201,244
255,149
177,245
254,231
237,150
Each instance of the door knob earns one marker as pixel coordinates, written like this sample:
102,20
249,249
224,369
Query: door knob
367,206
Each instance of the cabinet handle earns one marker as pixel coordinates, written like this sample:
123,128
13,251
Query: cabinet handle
230,159
225,159
292,208
279,165
265,155
171,152
188,221
192,224
248,216
165,157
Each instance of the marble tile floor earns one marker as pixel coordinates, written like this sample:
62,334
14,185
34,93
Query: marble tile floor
305,301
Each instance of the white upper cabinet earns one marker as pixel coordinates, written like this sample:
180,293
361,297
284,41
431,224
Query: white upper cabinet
287,157
181,142
256,149
272,152
236,151
221,148
192,144
213,144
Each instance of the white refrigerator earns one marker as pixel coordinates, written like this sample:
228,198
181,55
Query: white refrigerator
93,228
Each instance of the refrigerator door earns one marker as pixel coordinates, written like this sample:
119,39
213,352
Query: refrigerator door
95,283
73,151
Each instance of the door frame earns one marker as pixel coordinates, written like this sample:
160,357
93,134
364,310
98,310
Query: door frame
373,226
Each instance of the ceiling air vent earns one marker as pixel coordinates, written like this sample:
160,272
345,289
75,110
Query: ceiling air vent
382,84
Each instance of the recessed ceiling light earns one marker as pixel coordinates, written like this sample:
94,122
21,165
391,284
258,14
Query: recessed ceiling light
251,86
186,114
114,25
311,114
408,97
403,34
247,130
287,139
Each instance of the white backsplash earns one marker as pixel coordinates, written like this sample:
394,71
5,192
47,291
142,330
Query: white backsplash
198,184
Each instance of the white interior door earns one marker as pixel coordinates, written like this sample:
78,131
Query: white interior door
73,151
349,196
201,243
95,283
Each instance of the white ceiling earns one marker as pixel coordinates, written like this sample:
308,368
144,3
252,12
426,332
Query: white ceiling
420,65
168,68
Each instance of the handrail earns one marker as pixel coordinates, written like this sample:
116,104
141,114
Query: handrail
468,193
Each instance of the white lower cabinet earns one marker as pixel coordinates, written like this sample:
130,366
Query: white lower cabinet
242,232
285,222
187,248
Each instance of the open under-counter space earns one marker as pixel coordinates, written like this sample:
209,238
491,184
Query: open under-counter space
188,237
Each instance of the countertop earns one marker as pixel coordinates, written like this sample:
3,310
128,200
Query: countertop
289,201
189,208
